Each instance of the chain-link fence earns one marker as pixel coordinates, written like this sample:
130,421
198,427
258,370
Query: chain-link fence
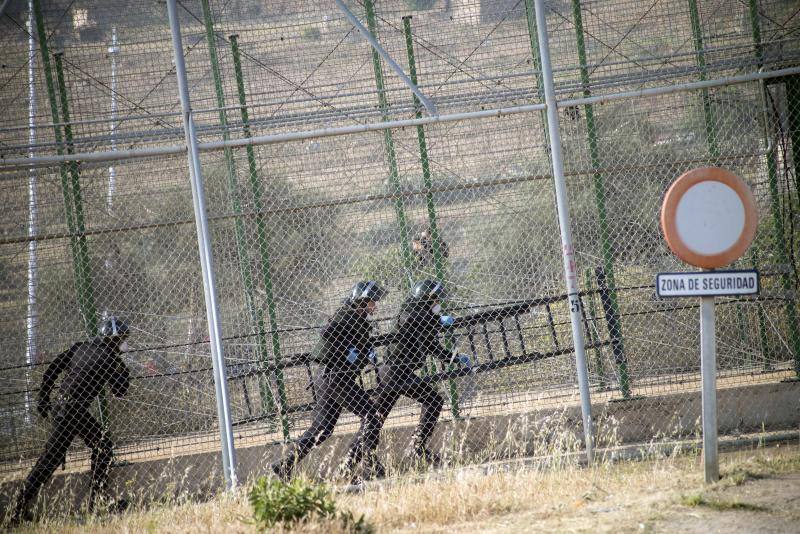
321,168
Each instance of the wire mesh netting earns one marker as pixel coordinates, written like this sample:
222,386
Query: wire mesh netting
321,169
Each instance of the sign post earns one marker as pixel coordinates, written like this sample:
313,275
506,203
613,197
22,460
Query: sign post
709,220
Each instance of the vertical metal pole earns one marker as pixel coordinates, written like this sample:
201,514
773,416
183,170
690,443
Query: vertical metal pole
206,258
793,112
793,105
755,27
570,270
65,185
236,204
83,265
600,200
32,320
394,175
762,320
438,260
708,371
708,112
781,244
775,210
263,246
113,51
533,35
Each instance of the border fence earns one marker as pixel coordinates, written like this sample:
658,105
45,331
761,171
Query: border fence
313,163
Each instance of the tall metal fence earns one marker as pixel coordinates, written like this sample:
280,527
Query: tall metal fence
320,167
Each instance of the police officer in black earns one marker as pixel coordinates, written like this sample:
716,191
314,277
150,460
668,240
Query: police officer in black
344,349
415,337
86,368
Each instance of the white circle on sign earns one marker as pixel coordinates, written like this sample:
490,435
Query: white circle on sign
710,218
712,228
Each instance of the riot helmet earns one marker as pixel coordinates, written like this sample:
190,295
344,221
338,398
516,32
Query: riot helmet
428,290
365,291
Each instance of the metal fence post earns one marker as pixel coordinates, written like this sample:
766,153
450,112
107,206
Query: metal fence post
708,112
779,236
85,290
263,247
394,174
113,51
83,267
32,321
562,202
794,335
438,260
793,112
236,204
206,258
533,34
80,262
600,201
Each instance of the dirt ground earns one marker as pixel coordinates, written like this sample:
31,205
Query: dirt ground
765,506
752,496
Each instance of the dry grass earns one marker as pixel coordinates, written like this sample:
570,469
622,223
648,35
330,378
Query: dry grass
610,497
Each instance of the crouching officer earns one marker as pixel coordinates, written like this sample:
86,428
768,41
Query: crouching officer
86,368
415,336
344,349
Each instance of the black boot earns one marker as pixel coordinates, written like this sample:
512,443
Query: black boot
21,514
426,456
282,470
348,469
373,468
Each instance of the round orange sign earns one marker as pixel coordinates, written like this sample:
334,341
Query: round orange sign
709,217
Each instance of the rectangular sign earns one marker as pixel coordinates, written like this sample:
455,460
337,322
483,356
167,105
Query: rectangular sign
707,284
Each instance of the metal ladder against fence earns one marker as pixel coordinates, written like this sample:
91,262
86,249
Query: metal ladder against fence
509,335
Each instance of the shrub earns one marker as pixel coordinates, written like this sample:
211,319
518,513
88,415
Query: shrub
274,502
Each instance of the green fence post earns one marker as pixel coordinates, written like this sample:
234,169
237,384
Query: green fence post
793,112
388,139
77,243
758,49
438,260
85,290
783,259
533,32
263,246
600,200
779,234
80,248
239,226
708,112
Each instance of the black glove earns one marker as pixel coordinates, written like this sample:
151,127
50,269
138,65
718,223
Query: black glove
43,407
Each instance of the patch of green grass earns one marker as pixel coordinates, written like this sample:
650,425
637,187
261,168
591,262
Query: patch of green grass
275,502
698,499
739,476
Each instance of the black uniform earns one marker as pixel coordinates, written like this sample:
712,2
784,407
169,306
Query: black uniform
343,350
415,337
87,367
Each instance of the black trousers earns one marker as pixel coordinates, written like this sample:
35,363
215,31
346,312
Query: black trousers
337,391
70,420
397,380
